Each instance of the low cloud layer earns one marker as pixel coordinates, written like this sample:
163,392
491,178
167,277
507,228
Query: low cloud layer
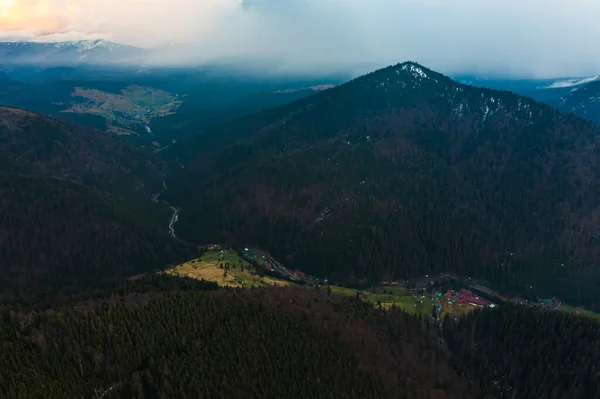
527,38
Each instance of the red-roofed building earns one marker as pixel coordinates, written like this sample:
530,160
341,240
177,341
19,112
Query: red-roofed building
299,273
478,301
466,292
450,293
269,267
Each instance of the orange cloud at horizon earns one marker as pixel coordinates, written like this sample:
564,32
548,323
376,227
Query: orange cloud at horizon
30,15
124,20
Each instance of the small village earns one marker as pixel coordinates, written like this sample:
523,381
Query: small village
434,297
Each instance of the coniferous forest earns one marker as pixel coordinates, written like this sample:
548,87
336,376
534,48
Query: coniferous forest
175,337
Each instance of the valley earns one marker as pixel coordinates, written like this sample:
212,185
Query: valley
129,112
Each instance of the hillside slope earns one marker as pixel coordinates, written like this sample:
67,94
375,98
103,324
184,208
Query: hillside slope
75,206
39,145
404,172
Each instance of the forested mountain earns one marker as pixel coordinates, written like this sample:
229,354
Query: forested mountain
187,345
581,96
38,145
75,206
405,172
7,84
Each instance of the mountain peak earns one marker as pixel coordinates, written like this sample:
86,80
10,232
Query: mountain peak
404,75
412,67
86,45
68,52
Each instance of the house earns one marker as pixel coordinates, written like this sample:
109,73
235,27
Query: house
466,292
478,301
299,273
450,292
547,302
269,267
474,301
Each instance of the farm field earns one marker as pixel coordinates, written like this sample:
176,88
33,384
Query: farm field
133,109
397,297
227,269
586,313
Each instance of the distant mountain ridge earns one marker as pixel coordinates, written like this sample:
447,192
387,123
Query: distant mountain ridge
563,83
579,95
68,53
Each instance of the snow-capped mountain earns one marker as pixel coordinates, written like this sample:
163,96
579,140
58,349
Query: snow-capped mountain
580,95
86,45
69,53
564,83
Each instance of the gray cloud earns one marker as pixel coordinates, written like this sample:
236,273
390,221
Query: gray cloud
528,38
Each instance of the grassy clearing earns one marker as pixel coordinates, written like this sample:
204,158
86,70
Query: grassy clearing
227,269
585,313
391,290
398,298
343,290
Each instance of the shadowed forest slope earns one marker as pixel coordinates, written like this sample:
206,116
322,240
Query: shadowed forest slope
38,145
75,205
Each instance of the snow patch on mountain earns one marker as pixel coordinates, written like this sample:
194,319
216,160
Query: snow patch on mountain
79,46
87,45
414,69
561,84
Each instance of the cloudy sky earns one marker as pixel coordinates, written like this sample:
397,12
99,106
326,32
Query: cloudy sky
534,38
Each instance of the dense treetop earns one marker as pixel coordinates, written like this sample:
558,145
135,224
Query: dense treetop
164,337
187,345
526,352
